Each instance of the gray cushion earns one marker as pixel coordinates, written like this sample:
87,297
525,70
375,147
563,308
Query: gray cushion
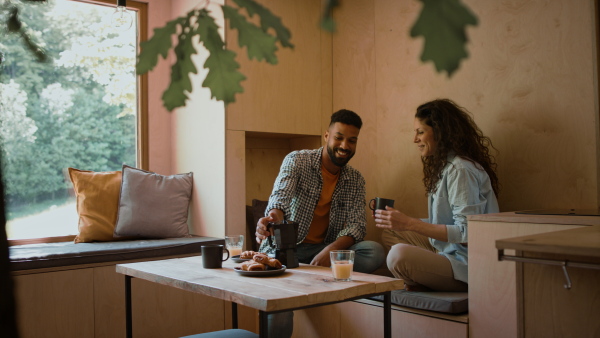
153,205
231,333
446,302
47,255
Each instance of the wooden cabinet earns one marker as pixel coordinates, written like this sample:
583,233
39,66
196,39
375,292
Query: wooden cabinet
556,302
56,304
90,302
493,309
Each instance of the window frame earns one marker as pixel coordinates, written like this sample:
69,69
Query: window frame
142,112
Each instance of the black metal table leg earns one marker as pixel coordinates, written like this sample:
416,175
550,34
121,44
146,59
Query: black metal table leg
128,326
263,324
234,315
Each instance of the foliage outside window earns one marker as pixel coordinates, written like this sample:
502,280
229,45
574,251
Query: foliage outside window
78,109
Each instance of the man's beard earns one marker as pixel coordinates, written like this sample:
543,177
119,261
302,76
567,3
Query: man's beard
340,162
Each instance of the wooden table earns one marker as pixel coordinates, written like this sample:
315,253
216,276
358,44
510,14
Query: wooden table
303,287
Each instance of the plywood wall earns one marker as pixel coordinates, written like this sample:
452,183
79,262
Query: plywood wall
529,82
198,140
280,110
283,98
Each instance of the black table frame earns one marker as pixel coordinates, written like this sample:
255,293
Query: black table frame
263,315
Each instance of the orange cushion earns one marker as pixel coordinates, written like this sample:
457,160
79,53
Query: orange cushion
97,203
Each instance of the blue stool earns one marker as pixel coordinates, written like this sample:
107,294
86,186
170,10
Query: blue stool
231,333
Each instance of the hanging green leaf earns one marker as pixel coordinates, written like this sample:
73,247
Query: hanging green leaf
158,44
267,20
175,95
259,44
327,22
16,26
223,78
442,23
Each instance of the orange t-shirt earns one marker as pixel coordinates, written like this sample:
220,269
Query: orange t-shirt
320,221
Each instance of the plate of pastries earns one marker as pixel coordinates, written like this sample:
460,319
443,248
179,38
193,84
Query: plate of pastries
258,264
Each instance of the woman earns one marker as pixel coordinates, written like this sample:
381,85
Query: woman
460,180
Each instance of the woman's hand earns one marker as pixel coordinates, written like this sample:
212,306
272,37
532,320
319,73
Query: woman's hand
393,219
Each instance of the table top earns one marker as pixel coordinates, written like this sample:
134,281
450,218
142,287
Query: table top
513,217
579,241
296,288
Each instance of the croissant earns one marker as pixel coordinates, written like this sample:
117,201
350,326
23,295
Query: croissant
248,254
264,259
253,266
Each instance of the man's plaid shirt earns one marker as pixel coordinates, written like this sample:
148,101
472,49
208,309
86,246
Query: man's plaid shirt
297,190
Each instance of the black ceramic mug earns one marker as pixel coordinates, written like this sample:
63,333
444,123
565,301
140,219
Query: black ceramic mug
212,256
380,203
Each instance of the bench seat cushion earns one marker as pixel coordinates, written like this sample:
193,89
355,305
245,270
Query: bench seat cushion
47,255
445,302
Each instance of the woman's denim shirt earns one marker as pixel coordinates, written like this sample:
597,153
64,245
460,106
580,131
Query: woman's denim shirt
464,189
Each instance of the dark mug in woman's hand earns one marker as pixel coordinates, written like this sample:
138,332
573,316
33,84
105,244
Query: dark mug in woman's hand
380,203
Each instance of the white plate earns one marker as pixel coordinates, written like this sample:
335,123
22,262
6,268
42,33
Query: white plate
265,273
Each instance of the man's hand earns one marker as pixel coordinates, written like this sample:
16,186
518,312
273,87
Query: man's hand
323,258
275,215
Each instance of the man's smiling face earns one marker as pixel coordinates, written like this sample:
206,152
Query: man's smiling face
341,143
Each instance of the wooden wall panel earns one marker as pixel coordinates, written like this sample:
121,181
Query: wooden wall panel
49,304
262,167
361,320
285,98
181,313
235,178
109,303
354,87
264,156
358,320
529,82
322,321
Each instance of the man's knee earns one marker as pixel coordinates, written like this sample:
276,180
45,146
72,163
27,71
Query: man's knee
369,256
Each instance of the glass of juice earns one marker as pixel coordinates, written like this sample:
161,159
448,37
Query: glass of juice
234,244
342,263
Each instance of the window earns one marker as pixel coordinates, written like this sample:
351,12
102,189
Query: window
84,109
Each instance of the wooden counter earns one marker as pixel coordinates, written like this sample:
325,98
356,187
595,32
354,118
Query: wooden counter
582,241
493,305
513,217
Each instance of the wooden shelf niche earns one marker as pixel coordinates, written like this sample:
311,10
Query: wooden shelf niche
253,162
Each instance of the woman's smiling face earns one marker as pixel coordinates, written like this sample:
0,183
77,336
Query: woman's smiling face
424,138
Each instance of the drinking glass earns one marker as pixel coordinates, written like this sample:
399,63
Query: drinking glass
342,263
234,244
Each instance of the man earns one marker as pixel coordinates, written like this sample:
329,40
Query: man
326,197
317,189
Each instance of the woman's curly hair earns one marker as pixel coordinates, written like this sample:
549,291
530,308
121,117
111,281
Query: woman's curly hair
454,132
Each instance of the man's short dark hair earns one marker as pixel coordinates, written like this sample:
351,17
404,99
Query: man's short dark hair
346,116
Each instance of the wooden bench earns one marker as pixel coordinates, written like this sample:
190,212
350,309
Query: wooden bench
72,290
362,318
